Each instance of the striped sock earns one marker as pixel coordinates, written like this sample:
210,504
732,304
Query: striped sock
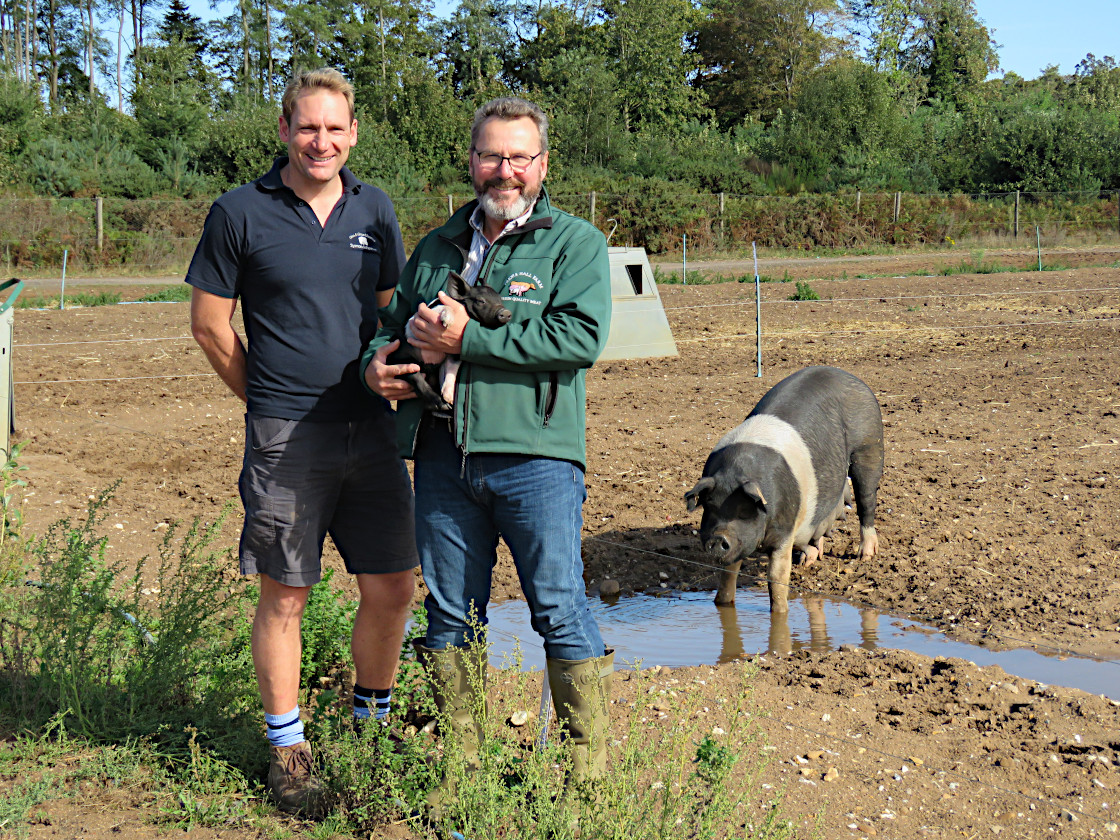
284,730
362,698
384,698
373,702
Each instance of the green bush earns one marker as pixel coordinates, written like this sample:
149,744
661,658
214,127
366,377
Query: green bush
804,292
169,294
89,648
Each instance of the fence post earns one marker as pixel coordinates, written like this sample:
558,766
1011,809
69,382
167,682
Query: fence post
99,212
62,288
592,207
450,205
897,206
1016,214
757,312
858,196
721,207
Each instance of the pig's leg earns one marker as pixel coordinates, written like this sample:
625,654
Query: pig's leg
817,545
866,471
777,576
725,595
868,542
448,375
813,551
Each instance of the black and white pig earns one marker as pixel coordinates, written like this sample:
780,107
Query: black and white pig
777,482
435,383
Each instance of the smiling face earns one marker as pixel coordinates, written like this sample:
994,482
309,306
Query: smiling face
319,135
503,193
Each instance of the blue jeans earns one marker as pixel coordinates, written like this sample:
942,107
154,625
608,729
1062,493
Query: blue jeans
535,504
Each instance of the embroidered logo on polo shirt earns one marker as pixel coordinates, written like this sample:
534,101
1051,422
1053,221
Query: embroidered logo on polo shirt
363,242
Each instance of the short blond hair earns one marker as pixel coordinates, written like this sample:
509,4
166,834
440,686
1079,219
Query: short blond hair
511,108
325,78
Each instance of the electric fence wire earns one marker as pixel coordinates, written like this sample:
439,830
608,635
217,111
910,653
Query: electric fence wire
700,340
1009,293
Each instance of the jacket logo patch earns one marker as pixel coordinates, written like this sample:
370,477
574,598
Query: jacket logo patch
363,242
521,282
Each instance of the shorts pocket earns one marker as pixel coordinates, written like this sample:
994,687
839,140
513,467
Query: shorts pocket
269,432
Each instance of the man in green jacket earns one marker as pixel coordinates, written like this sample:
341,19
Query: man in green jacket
510,460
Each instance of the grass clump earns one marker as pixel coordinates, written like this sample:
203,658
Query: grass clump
704,278
69,301
685,780
87,649
178,293
804,291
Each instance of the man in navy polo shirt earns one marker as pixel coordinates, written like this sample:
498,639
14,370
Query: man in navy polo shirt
312,253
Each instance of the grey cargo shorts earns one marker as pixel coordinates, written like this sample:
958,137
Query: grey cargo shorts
301,480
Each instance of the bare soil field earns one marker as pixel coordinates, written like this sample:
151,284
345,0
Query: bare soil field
999,522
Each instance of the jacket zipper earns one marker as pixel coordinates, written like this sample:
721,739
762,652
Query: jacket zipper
550,400
462,387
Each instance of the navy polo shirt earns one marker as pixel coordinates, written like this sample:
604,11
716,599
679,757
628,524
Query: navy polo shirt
307,291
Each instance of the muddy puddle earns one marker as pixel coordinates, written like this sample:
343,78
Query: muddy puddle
687,628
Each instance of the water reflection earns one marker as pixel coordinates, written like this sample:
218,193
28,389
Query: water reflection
686,628
782,640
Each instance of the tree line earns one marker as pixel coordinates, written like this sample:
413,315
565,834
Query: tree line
141,98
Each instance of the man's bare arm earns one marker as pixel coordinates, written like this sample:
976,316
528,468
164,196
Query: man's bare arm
211,326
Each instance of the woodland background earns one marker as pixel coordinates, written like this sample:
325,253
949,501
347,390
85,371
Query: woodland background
659,105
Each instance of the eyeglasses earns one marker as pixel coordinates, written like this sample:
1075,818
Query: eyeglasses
518,163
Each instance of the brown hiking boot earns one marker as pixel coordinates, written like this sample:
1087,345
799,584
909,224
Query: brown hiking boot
292,785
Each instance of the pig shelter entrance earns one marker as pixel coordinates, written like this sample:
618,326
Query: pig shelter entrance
639,328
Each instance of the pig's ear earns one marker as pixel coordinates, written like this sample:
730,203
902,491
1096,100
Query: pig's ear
754,492
692,497
456,286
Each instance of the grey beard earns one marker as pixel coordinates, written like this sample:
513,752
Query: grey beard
508,212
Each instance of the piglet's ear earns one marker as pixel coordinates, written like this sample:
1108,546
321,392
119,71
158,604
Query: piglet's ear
456,286
754,492
692,497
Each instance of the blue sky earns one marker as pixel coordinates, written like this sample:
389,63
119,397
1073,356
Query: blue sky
1032,34
1036,33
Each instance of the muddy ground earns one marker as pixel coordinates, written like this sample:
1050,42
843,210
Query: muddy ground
999,519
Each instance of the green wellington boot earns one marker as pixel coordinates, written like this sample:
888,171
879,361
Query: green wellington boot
580,691
455,674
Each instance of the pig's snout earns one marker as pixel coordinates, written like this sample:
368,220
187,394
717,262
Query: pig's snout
722,544
504,315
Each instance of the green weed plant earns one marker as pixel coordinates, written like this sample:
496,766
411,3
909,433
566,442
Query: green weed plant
69,301
804,291
88,646
178,293
705,278
11,516
686,780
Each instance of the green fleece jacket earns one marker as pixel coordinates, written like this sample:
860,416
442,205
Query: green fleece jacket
521,389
